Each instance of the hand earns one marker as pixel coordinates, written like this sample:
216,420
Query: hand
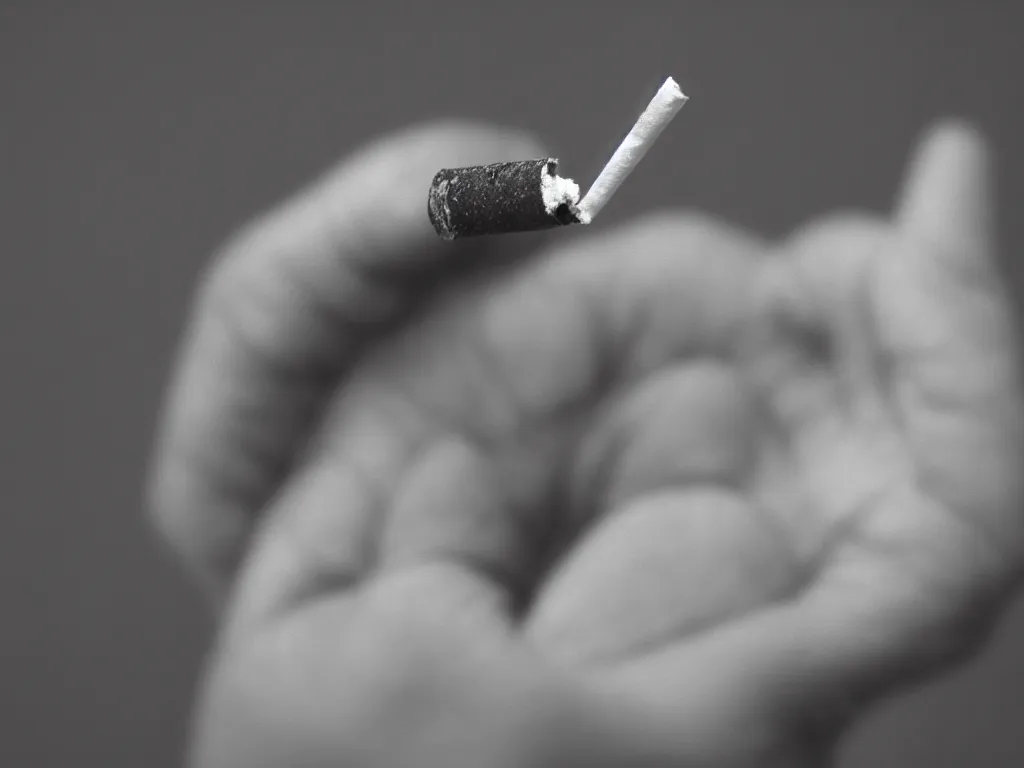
663,496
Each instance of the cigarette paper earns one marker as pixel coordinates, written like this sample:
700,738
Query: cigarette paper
659,113
528,195
503,197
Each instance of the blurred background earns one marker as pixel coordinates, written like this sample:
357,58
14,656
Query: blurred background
133,141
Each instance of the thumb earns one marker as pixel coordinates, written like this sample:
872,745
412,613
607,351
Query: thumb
945,322
284,310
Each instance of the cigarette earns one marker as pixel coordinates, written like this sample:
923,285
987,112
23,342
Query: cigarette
528,195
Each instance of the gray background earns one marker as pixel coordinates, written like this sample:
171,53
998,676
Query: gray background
132,142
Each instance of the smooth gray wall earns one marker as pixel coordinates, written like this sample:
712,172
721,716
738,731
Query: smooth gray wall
131,142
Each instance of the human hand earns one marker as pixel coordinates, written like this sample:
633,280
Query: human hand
663,496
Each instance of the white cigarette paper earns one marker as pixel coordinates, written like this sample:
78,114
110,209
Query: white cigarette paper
659,113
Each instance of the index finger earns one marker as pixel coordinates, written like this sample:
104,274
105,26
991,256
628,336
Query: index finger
282,311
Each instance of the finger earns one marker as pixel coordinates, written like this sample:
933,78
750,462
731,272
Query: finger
946,204
771,684
660,568
282,312
469,422
825,311
944,319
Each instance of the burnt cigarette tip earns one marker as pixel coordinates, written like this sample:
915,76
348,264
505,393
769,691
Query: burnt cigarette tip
501,198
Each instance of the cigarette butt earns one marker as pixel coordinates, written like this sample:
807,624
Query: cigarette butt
500,198
528,195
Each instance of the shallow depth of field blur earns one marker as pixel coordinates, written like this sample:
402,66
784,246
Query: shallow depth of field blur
133,141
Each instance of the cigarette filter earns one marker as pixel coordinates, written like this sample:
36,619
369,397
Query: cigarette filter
503,197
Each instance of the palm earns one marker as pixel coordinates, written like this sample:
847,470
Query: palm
649,487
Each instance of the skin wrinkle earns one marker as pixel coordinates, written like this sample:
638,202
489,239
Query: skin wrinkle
607,378
249,484
828,330
487,573
518,590
939,399
233,485
762,486
780,305
930,628
878,374
236,344
347,324
911,352
246,297
852,328
440,428
772,310
824,471
593,469
510,588
320,582
928,478
218,539
928,640
317,554
622,440
923,406
545,525
842,533
998,546
863,369
593,475
625,338
446,429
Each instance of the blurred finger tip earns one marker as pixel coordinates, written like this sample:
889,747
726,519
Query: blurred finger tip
951,154
954,131
946,196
